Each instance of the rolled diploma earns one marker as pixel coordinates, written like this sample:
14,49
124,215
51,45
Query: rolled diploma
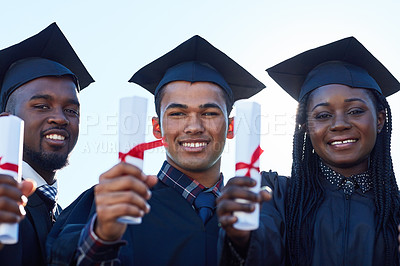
132,127
11,144
247,134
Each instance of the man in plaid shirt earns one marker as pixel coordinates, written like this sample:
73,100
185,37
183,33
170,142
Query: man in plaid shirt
195,86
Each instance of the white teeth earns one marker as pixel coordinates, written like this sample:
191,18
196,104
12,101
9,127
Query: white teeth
194,145
343,142
55,137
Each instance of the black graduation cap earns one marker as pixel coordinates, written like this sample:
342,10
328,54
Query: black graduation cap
47,53
197,60
345,62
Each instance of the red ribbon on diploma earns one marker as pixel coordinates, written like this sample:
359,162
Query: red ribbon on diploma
256,155
9,166
138,150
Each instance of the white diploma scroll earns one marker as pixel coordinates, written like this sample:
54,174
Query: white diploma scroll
132,127
247,134
11,144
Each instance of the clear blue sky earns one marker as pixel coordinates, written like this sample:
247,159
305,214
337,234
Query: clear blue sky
115,39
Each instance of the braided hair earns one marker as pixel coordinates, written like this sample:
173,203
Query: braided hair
305,193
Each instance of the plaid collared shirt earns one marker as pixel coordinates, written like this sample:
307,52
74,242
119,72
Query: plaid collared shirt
185,185
93,251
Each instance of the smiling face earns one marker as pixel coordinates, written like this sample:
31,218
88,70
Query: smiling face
194,123
49,107
343,124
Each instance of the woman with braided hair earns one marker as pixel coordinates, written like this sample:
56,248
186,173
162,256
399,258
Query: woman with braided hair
341,204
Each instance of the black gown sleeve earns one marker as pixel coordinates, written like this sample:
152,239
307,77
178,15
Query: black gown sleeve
267,243
62,240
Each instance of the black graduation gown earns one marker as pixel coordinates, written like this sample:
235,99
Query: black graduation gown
33,230
344,229
171,234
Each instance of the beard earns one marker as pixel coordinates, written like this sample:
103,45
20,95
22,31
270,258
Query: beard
46,160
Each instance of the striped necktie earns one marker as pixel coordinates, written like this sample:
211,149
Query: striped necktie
50,193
